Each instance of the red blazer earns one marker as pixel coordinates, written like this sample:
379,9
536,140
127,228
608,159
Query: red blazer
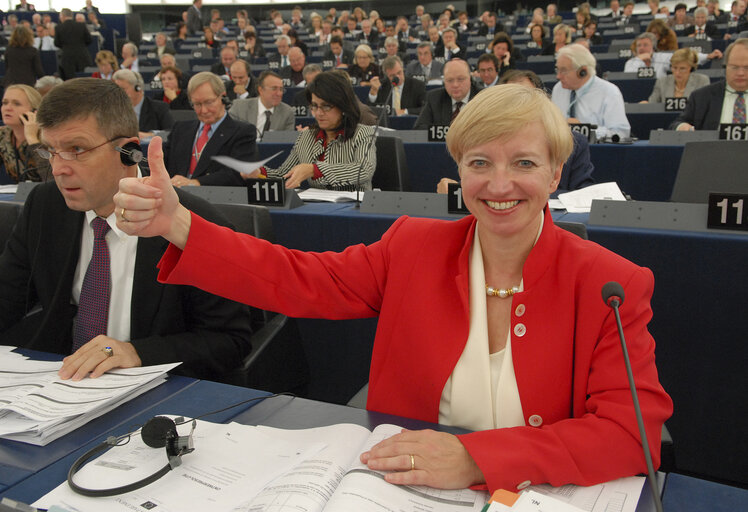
565,347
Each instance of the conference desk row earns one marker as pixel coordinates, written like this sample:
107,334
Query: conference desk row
190,398
643,171
699,325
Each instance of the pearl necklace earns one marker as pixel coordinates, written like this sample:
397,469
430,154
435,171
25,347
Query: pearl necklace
501,292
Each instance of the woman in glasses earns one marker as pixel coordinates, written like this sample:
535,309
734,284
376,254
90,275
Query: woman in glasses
330,153
19,138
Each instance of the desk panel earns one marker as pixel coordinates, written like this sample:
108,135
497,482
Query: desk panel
645,172
202,397
687,494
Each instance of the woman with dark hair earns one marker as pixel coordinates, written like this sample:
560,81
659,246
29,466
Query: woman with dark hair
503,47
174,95
537,36
253,46
22,62
295,41
209,40
329,154
180,35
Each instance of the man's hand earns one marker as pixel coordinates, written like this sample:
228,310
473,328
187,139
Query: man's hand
424,457
239,89
374,85
685,127
443,186
183,181
91,358
297,174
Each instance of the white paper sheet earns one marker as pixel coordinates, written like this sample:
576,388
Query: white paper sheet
245,168
580,201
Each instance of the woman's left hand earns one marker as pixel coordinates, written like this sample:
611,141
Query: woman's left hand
297,174
424,457
30,127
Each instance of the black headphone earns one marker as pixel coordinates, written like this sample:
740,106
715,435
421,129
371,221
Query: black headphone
226,101
130,153
158,432
582,72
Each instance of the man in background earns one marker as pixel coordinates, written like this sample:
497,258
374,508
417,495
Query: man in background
267,111
72,38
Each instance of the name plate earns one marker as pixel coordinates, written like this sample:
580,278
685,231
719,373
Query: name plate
628,29
151,55
646,72
440,59
585,129
532,44
422,78
700,37
624,53
328,63
437,133
156,84
286,82
300,110
733,131
675,104
726,211
266,192
455,204
480,47
273,65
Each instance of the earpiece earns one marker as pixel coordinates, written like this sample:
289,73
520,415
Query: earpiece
137,88
158,432
582,72
226,101
130,153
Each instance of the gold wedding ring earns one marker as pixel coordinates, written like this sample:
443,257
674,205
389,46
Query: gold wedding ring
122,216
109,353
412,462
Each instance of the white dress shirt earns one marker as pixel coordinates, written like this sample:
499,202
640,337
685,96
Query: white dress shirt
599,102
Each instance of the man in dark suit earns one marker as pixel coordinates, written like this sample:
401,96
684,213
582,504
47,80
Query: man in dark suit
443,104
702,28
228,57
280,59
72,38
719,102
406,99
337,54
195,18
368,35
491,26
292,74
152,114
243,84
192,144
450,48
73,283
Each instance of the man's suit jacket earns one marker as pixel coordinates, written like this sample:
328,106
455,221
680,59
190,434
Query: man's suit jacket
414,69
372,39
168,323
194,20
704,108
413,97
346,58
72,38
437,110
246,110
232,138
219,69
154,115
440,51
251,89
578,168
710,30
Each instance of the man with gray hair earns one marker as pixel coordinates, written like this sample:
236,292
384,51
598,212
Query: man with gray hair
130,57
646,56
425,66
408,94
72,38
46,84
702,28
152,114
585,98
280,59
192,144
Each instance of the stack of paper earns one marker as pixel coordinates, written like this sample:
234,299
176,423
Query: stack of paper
38,406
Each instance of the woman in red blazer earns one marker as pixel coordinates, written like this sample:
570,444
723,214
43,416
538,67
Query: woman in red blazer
493,323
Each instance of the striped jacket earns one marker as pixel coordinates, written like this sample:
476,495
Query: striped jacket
338,162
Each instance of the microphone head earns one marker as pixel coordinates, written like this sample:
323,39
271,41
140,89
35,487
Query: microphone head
395,80
613,290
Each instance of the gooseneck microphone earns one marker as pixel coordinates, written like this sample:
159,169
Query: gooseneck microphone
613,297
393,83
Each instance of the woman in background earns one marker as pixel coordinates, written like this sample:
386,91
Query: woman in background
561,37
537,36
107,64
364,67
22,62
683,81
174,95
19,138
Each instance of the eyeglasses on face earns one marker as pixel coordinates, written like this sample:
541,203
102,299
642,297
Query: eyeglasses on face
204,104
75,154
324,107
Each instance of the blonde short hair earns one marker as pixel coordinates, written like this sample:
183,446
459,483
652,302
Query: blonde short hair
503,110
364,48
203,77
34,97
685,56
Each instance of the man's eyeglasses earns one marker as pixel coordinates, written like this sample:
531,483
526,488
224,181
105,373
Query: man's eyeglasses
203,104
324,107
274,89
47,153
734,68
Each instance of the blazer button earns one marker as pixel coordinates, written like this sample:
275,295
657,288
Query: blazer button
535,420
524,484
520,330
520,310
